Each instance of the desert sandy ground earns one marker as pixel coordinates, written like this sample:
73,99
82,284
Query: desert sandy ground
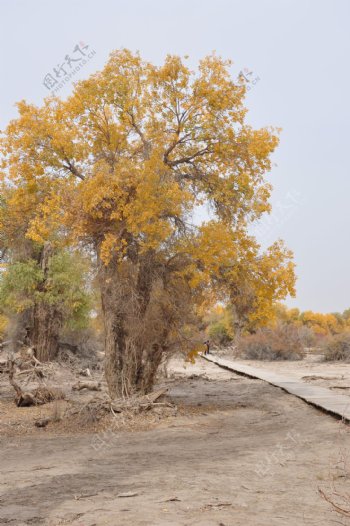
239,453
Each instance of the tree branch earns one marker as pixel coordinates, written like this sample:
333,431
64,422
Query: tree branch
70,166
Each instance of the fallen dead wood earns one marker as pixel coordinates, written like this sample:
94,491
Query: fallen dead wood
39,396
139,403
26,364
317,377
36,370
152,397
339,507
42,422
85,372
216,506
91,386
86,496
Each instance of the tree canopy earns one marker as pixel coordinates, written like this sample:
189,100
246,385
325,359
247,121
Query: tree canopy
121,167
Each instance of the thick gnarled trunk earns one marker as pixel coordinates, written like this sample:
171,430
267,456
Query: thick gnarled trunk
46,329
47,319
114,329
115,356
131,360
151,361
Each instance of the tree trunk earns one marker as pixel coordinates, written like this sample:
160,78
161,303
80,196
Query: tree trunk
114,330
47,319
46,330
151,362
130,362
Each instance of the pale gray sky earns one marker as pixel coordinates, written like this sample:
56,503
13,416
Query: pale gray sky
298,51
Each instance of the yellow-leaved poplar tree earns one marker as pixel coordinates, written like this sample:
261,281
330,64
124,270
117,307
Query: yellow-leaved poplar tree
128,158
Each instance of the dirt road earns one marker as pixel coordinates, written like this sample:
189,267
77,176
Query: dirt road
244,454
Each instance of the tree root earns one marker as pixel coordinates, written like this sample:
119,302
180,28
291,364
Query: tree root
99,406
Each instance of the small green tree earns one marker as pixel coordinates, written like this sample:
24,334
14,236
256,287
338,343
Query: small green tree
219,333
53,290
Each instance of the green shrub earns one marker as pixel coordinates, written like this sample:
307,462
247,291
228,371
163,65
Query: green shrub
218,334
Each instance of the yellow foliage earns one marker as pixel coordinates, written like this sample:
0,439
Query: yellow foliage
322,324
122,164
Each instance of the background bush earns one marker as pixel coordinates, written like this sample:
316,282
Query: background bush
337,348
280,343
219,334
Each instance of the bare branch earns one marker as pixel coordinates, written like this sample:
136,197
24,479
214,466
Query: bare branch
73,169
188,159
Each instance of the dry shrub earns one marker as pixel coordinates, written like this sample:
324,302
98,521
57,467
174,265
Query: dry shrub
307,336
337,348
44,395
280,343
